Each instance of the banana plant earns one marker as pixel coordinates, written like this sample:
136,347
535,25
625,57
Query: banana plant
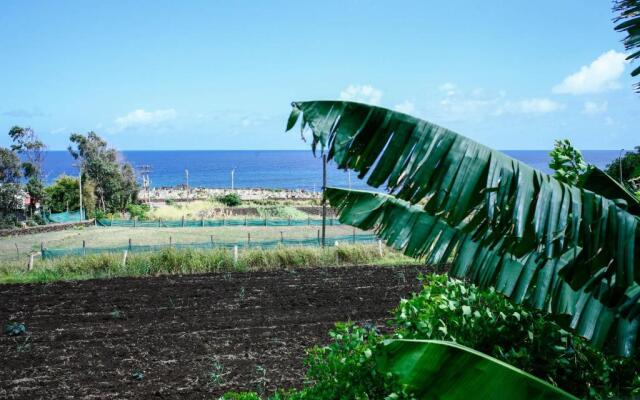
433,369
566,250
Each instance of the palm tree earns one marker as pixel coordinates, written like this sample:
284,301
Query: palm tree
566,250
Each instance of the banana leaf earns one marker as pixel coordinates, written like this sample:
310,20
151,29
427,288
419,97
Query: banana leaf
602,183
433,369
529,229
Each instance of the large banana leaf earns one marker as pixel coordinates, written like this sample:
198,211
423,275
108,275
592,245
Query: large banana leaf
434,369
629,19
504,223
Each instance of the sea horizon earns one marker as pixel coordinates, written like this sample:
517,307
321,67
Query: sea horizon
277,169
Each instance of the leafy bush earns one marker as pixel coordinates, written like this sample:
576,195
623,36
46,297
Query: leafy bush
230,199
170,202
138,211
448,309
567,162
629,163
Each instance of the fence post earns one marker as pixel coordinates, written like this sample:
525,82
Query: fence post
235,254
84,248
134,222
265,221
124,258
245,220
159,224
170,241
248,239
380,247
212,241
354,235
183,221
201,221
129,244
318,237
281,237
42,250
17,251
289,220
30,265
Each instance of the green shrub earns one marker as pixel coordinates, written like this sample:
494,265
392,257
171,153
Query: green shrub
170,202
230,199
138,211
448,309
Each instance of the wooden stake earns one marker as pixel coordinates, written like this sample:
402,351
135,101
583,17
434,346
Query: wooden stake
235,254
212,241
248,239
30,265
281,237
380,248
84,248
170,240
129,243
124,258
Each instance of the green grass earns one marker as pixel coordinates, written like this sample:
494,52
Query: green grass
119,236
191,261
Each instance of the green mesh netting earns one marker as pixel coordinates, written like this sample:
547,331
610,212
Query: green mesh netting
69,216
190,223
265,244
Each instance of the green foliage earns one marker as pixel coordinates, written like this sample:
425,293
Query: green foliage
10,202
63,194
138,211
114,181
629,18
170,202
628,164
435,369
186,261
27,144
240,396
499,222
567,162
280,212
9,166
230,199
449,309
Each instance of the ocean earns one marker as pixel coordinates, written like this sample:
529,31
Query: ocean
283,169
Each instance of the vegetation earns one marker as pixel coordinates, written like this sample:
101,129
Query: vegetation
27,144
501,223
626,167
629,13
138,211
64,195
567,162
189,261
114,180
230,200
9,187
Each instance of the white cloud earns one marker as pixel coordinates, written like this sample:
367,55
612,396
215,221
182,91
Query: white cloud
593,108
406,107
140,117
57,131
361,93
531,106
450,89
599,76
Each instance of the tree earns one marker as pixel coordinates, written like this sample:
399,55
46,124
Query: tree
9,166
63,194
626,167
567,162
27,144
629,18
9,187
114,180
556,247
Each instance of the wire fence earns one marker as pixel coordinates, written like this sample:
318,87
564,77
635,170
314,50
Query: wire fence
212,244
191,223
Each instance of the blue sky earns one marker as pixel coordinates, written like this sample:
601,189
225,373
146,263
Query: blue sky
221,75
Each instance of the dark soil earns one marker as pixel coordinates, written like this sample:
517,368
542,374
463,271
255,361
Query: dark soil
191,336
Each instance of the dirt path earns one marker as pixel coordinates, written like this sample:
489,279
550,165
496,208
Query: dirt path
192,336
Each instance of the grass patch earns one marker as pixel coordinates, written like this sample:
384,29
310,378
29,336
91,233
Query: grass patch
191,261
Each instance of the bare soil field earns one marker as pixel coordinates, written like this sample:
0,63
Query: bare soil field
191,336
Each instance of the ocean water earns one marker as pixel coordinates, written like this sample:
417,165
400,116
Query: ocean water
284,169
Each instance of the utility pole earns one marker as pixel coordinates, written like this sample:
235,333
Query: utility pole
324,198
146,181
620,164
186,174
233,170
79,165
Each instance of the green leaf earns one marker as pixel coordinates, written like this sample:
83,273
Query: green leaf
498,221
433,369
